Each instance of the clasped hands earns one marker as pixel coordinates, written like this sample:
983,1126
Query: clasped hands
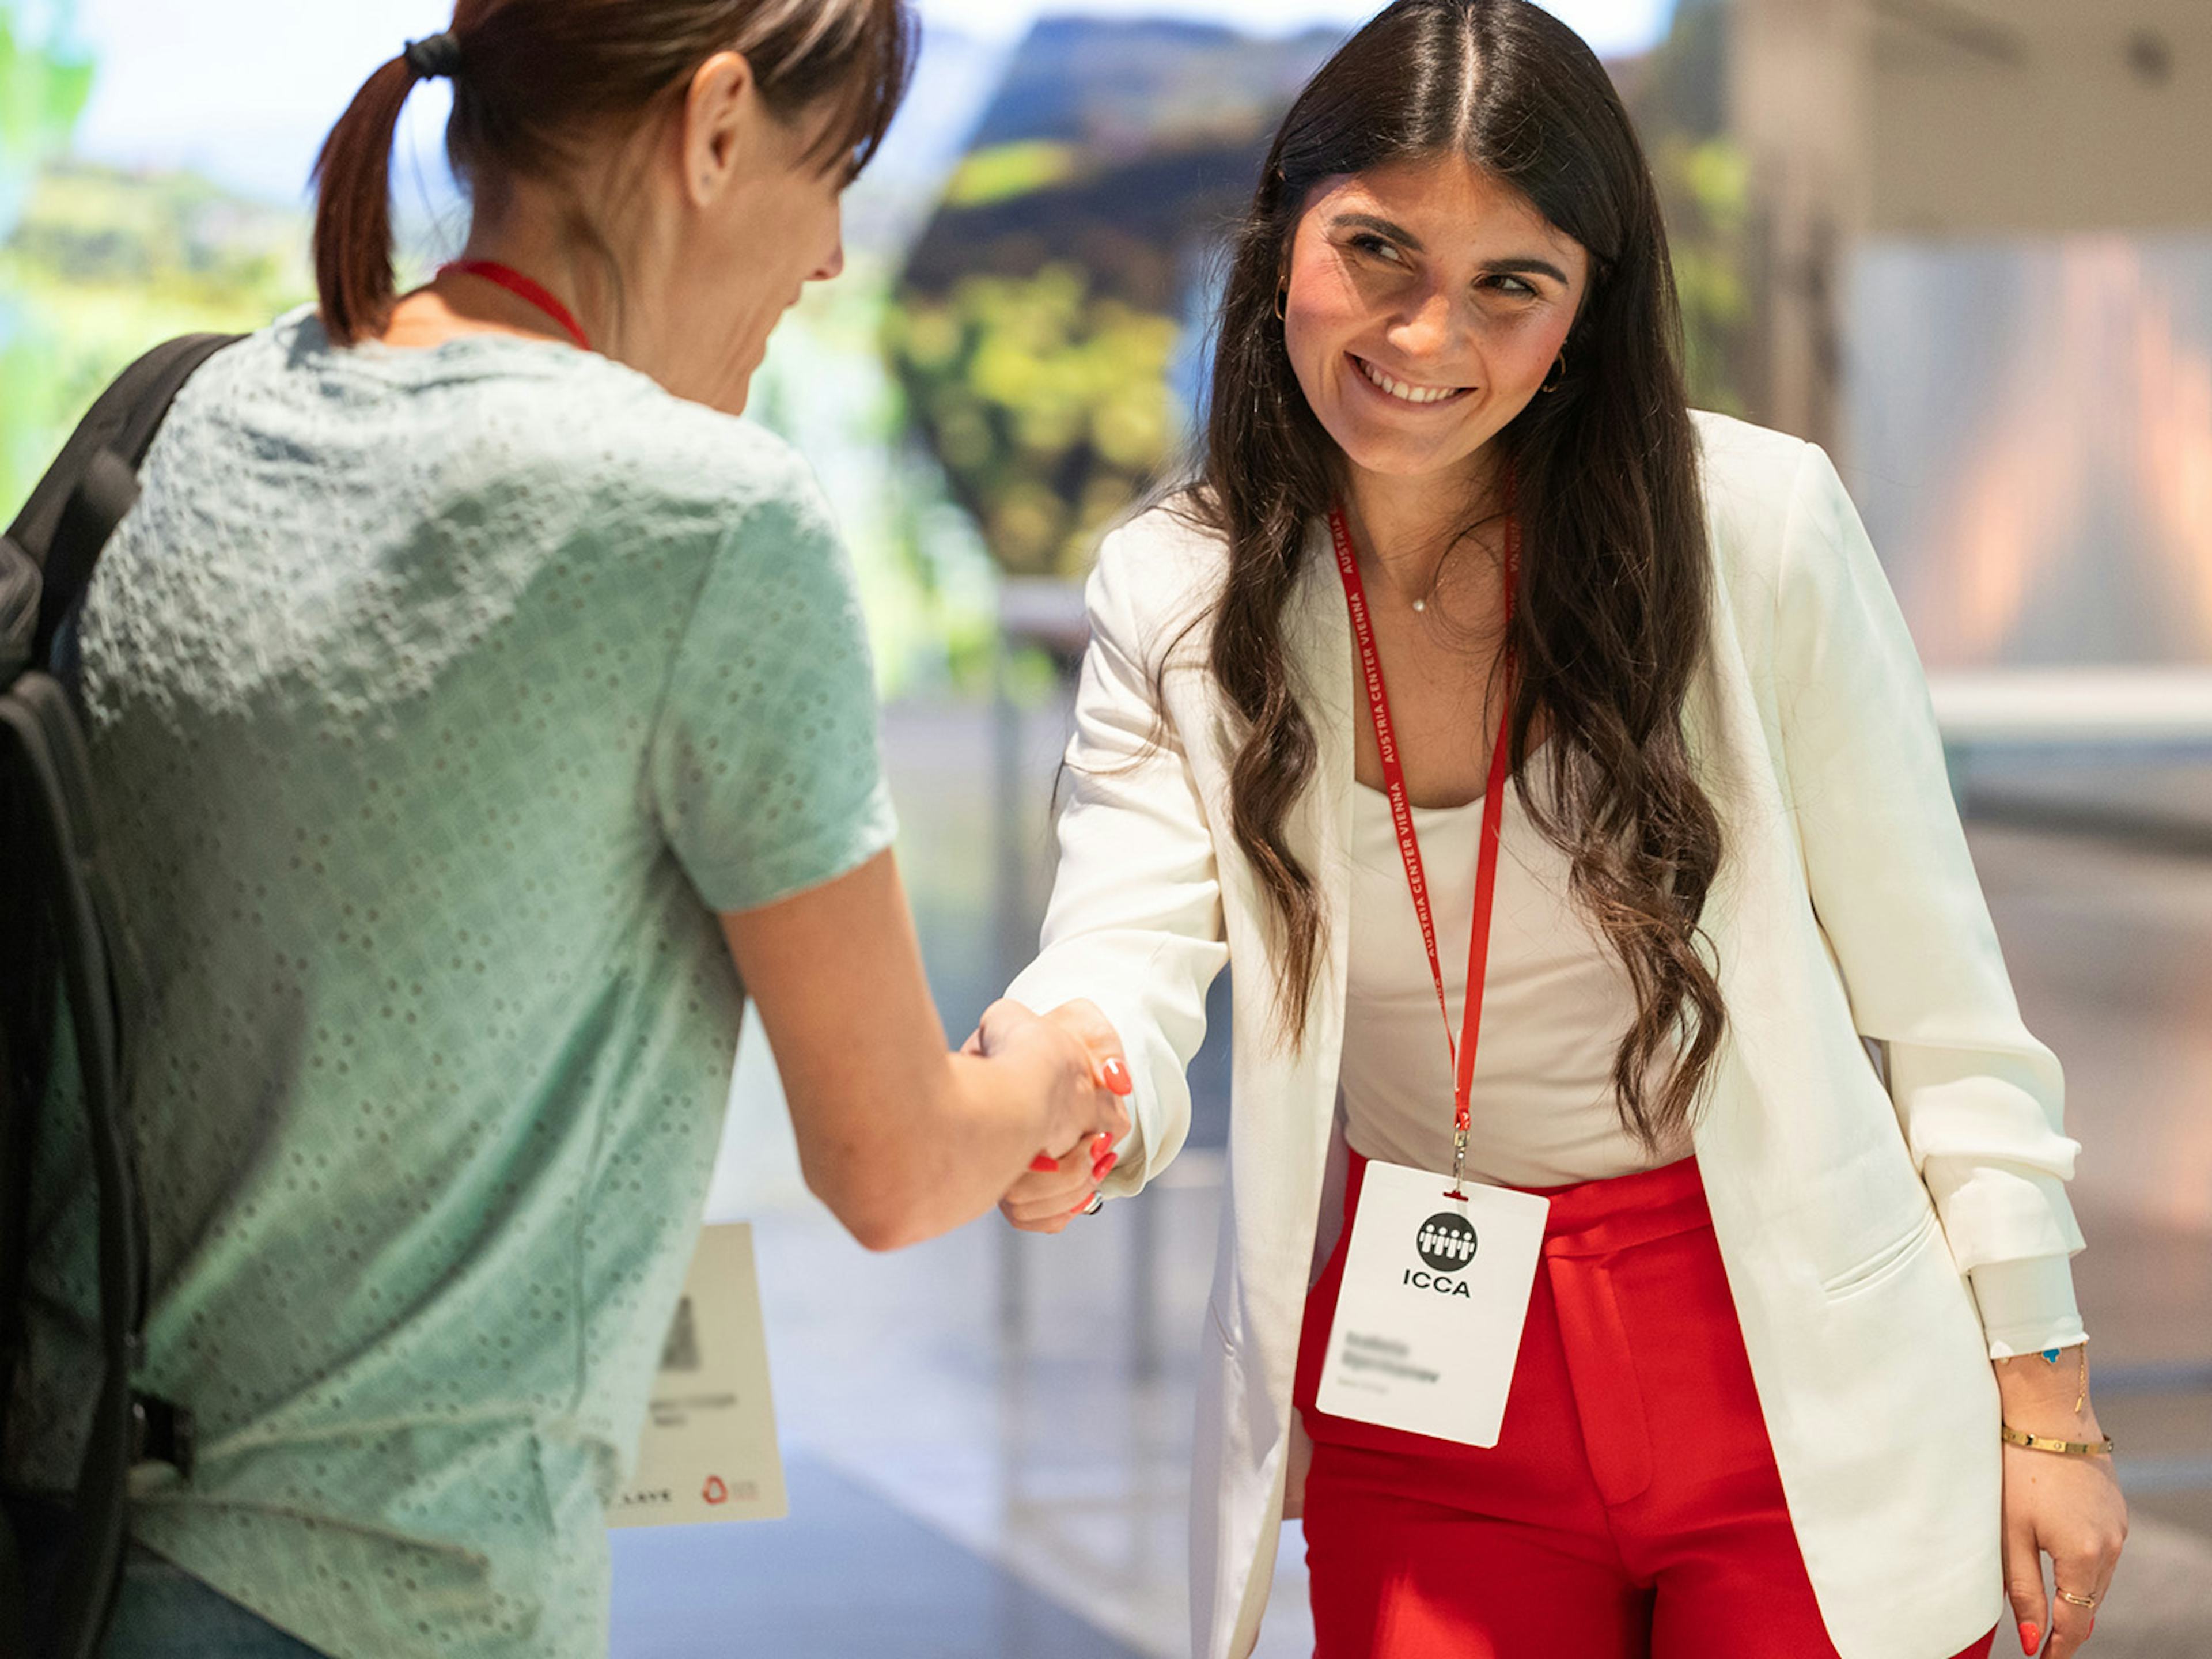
1064,1177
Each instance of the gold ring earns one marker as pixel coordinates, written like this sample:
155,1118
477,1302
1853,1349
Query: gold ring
2078,1600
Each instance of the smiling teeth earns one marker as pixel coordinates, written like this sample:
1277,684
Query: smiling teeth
1404,393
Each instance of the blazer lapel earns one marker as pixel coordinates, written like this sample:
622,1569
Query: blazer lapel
1317,640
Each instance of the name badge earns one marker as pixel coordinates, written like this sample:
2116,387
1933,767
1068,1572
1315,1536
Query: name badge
1435,1292
708,1449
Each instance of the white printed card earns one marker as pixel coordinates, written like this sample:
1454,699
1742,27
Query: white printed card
1436,1291
709,1451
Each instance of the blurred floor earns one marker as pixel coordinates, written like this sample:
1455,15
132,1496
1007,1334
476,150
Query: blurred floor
988,1479
848,1573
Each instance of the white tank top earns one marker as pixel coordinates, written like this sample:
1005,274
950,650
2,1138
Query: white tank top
1558,1005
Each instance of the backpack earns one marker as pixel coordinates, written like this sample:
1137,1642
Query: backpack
61,1555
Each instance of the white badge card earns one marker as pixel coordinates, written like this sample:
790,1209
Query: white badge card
709,1451
1435,1291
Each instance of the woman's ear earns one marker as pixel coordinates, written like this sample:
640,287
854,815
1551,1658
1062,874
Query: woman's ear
722,117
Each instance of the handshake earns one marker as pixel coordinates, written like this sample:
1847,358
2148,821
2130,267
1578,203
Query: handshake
1077,1053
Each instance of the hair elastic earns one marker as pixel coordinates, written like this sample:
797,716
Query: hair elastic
437,58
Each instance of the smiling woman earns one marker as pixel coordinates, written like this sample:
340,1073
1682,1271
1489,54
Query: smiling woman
1472,644
1441,288
1436,296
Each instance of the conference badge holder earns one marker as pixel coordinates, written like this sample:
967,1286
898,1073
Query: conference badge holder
1437,1274
1435,1290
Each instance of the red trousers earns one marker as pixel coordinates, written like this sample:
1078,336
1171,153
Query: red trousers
1631,1508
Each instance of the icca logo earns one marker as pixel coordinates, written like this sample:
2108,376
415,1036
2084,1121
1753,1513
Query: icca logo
1447,1243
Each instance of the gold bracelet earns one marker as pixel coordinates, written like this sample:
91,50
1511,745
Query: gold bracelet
2012,1437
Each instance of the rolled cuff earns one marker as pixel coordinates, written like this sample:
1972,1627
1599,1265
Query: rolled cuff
1998,1211
2028,1306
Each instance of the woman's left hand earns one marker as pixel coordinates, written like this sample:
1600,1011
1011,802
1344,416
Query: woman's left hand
2068,1508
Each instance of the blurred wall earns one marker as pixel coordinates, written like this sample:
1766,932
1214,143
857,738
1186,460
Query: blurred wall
1981,254
1943,118
2029,422
2045,116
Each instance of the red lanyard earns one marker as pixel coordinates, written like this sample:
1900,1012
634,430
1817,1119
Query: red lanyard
523,289
1409,845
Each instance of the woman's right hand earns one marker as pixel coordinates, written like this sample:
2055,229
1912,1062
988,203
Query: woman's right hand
1056,1191
1062,1179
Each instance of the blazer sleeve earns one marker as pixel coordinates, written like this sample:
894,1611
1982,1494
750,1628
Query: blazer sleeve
1135,921
1979,1099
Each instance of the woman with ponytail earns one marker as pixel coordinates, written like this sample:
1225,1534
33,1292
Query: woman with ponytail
1477,684
479,711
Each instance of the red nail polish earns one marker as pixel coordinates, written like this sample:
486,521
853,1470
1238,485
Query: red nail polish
1080,1208
1104,1166
1118,1078
1042,1165
2031,1638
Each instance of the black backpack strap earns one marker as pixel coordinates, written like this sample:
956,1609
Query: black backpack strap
74,509
47,560
40,744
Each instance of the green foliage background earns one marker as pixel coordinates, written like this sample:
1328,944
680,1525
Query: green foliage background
104,265
1032,330
1000,401
96,265
1678,95
1048,404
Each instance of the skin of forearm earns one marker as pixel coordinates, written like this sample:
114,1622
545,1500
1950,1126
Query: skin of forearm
973,1127
2039,1396
992,1125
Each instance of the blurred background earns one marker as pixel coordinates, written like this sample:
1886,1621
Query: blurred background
1965,244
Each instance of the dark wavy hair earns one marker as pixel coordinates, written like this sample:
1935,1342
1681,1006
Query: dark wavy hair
537,84
1615,599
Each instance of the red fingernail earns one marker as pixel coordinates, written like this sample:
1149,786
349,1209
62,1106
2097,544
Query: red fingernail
2031,1638
1118,1078
1042,1165
1080,1208
1104,1166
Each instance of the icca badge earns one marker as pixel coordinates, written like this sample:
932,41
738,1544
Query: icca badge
1447,1242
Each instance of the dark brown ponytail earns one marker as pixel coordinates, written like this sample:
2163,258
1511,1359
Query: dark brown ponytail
536,83
353,207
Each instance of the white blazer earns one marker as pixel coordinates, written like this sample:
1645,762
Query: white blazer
1847,1211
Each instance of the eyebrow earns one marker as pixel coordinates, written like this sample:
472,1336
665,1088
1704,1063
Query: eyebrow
1398,233
1529,268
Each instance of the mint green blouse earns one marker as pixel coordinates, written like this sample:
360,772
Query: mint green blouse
439,699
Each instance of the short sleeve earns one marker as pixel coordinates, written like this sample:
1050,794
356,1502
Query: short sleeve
766,768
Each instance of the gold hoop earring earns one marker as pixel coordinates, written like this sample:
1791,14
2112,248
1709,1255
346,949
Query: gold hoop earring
1557,378
1283,303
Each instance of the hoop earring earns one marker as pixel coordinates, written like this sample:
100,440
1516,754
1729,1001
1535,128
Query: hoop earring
1283,303
1557,378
